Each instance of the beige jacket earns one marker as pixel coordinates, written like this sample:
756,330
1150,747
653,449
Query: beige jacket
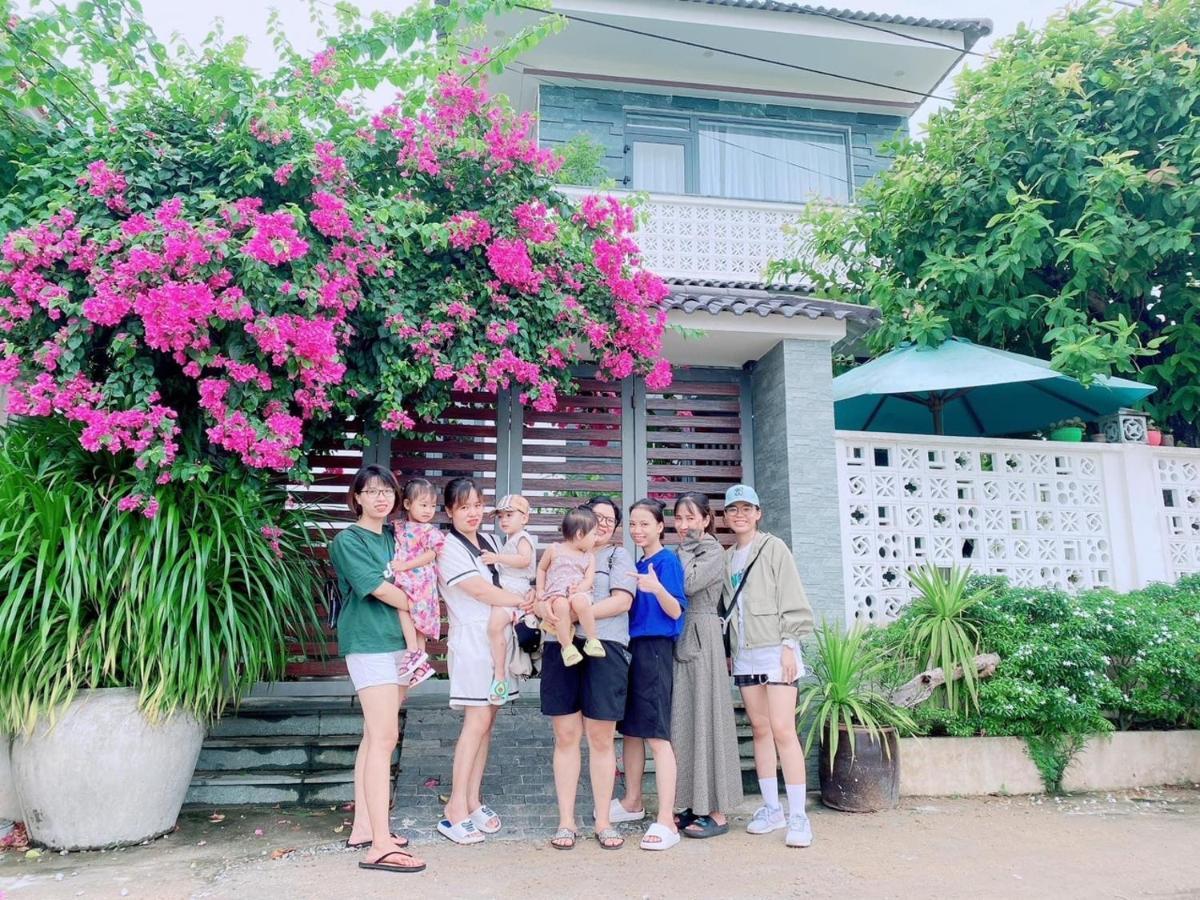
773,598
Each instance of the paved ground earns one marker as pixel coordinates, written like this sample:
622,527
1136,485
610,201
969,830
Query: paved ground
1138,844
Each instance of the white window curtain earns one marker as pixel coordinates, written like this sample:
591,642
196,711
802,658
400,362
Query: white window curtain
658,167
767,164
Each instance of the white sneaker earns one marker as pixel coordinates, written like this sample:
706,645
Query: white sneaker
766,820
799,831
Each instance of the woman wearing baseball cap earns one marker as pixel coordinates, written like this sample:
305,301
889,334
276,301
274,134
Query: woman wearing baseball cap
768,615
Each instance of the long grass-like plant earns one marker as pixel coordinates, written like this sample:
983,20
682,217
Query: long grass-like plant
848,690
939,633
190,607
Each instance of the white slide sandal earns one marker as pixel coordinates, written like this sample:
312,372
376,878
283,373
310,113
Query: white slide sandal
482,816
666,837
464,832
618,813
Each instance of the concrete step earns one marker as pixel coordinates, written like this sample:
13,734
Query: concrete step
278,753
261,717
264,788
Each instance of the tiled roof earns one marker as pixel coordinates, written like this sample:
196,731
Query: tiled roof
973,29
743,298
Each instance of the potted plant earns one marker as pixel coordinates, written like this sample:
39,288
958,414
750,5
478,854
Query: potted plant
855,721
1069,430
123,631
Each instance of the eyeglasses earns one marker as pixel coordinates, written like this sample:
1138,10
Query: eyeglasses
378,492
738,511
606,520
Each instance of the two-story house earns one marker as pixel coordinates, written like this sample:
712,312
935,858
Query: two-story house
729,115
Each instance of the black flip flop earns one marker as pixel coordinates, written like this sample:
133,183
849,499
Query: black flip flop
362,845
380,866
684,819
708,828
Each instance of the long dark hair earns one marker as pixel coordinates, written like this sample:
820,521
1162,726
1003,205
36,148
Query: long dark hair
698,502
364,476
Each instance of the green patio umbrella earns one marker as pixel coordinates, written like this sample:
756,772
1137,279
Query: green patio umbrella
966,389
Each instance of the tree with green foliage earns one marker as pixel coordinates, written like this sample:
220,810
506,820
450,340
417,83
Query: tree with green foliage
1053,211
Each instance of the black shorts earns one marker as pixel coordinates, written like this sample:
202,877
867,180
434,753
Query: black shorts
595,687
651,679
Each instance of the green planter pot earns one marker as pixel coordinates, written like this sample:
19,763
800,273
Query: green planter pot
1071,435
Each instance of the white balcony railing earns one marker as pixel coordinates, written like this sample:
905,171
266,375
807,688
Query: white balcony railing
709,238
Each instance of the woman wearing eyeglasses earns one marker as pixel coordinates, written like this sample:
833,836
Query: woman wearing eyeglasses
370,638
768,616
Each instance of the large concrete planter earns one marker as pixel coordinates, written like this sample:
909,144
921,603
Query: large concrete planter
10,807
944,767
103,775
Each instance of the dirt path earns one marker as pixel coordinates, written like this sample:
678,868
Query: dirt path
1140,844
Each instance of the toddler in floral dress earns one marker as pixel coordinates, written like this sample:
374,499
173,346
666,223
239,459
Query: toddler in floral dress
565,577
418,541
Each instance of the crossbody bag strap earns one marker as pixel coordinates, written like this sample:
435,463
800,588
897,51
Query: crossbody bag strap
476,552
737,592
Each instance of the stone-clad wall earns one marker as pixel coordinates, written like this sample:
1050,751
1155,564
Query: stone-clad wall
565,111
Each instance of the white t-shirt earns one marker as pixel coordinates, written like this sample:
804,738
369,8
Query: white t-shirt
455,565
519,580
759,660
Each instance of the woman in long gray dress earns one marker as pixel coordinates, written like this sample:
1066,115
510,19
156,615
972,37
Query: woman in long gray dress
702,727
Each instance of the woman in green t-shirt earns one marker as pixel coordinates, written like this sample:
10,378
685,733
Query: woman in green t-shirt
370,637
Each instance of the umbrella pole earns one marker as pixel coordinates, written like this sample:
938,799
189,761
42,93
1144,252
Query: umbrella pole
935,406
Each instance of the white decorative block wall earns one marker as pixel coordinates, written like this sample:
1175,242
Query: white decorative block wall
1030,510
710,238
1178,473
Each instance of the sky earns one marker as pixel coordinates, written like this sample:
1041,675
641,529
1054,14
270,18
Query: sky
248,17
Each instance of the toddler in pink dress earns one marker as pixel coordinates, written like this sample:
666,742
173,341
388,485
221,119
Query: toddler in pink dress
565,577
418,541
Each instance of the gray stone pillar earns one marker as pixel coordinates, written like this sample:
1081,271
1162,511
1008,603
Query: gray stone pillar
795,466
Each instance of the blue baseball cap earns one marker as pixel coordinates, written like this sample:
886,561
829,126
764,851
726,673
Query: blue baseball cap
742,493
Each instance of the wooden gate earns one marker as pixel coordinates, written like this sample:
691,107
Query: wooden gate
610,438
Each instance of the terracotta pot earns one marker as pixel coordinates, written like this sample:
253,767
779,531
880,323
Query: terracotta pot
864,776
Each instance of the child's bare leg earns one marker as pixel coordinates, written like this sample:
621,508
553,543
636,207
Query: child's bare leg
581,606
561,607
413,639
498,621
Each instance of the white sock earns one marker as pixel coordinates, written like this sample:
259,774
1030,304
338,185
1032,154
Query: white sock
795,795
770,792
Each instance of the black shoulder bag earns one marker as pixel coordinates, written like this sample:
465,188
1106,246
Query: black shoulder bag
727,613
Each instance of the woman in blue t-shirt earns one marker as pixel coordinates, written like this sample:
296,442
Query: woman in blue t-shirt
655,621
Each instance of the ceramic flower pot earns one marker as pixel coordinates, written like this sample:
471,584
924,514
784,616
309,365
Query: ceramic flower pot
864,775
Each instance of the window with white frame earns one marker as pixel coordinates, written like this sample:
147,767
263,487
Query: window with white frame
749,160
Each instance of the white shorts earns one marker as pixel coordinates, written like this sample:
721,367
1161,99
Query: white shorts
469,659
764,662
372,669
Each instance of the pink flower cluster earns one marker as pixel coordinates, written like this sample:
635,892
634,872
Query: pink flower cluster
275,239
509,259
469,229
262,131
329,216
106,183
533,218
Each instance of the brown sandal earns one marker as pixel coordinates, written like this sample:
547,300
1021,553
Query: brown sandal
380,866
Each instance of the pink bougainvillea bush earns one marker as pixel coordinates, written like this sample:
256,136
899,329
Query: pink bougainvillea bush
227,274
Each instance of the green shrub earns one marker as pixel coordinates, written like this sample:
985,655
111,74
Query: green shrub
190,606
